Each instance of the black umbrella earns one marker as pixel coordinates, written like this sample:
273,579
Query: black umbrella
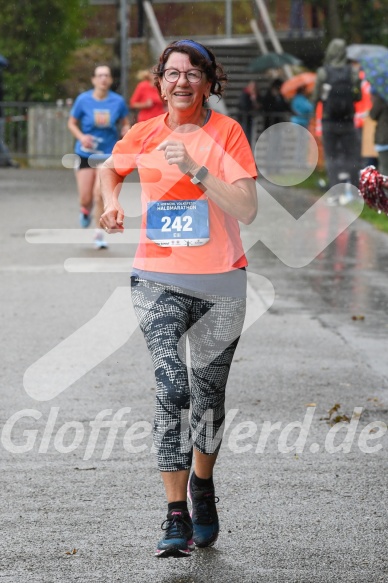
272,61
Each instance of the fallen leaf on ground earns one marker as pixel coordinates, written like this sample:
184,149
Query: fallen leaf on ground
358,317
340,419
334,409
376,401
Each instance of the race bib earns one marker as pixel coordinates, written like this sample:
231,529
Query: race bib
172,223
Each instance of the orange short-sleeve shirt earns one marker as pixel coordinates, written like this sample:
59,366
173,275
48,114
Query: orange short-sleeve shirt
222,147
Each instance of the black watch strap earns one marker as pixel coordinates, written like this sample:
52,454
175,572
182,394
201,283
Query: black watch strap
200,175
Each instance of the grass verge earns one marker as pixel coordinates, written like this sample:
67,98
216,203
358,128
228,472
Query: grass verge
379,221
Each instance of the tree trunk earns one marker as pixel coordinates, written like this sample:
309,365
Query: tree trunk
333,19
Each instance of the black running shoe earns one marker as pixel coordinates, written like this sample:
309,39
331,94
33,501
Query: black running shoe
204,515
178,537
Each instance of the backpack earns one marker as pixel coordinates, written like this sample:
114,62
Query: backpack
339,104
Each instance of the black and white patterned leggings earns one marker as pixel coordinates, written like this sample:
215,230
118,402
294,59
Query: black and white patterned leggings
213,325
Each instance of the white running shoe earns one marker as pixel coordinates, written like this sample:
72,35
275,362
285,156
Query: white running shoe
99,241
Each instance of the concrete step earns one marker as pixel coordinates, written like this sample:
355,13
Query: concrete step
236,55
235,60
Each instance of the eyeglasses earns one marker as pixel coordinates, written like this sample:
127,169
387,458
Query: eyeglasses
193,76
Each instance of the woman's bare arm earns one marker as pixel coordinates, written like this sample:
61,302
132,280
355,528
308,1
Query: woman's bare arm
113,215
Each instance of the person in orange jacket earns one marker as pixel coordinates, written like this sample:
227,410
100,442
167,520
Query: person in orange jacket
364,124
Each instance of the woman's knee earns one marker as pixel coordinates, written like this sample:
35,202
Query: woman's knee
173,391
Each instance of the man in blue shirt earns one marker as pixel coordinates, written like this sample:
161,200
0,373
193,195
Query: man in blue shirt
99,117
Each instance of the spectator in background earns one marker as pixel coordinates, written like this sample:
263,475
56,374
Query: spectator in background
379,113
338,87
315,25
302,110
248,105
363,123
146,99
296,17
274,103
301,107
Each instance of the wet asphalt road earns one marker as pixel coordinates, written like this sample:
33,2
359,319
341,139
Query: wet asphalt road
82,505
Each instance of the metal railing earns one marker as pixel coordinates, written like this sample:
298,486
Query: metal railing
13,126
35,131
254,123
38,133
287,150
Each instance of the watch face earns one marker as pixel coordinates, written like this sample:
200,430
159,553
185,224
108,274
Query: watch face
200,175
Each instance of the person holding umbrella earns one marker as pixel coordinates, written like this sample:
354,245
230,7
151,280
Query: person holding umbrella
307,79
379,113
249,103
376,72
274,105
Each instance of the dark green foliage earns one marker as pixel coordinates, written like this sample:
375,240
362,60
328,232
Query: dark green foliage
37,37
364,21
357,21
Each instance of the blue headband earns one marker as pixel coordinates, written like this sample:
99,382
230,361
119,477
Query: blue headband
191,43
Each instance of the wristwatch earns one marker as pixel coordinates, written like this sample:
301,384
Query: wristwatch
200,175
